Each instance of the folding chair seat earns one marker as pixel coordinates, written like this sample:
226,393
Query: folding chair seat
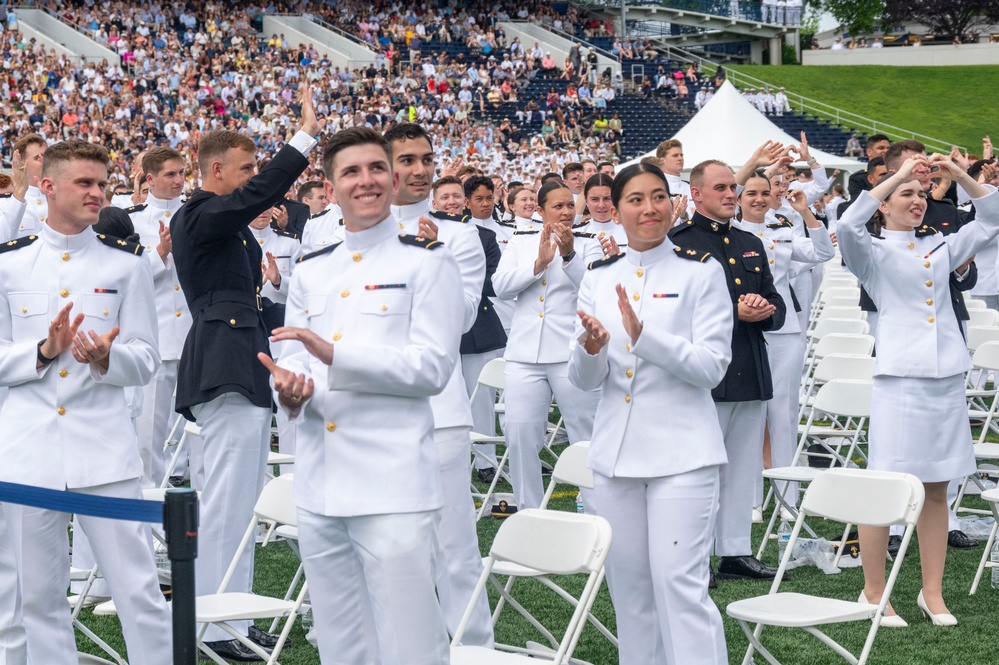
983,402
983,317
858,496
831,367
829,326
553,543
984,452
973,304
840,343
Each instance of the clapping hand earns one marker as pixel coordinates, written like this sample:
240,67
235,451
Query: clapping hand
596,335
632,325
427,229
292,388
312,342
97,349
546,250
61,333
271,272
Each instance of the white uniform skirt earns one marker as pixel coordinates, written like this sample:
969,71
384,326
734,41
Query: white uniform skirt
920,426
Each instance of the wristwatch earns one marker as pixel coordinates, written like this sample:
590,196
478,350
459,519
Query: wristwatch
568,257
41,358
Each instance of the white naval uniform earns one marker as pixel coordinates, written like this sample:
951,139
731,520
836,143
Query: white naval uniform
367,482
25,218
537,355
123,200
919,418
593,250
680,187
461,561
67,426
657,445
786,249
322,229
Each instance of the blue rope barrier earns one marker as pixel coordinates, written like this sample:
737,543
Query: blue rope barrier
135,510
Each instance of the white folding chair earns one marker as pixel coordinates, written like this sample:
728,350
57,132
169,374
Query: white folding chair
831,367
983,317
973,304
491,377
992,497
554,543
859,496
570,469
986,455
859,345
189,429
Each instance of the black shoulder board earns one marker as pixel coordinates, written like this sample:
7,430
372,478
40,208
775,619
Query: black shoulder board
17,243
419,241
461,219
692,254
118,243
600,263
509,225
781,221
318,214
581,224
580,234
141,206
525,233
6,196
925,230
318,252
286,233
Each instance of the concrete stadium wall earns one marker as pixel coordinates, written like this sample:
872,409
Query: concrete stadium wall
907,56
342,52
549,41
53,32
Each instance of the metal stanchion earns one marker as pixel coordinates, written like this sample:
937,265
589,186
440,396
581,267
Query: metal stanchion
180,520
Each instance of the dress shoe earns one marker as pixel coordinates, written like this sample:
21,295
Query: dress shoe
937,619
712,581
745,568
888,620
757,515
546,469
894,543
486,475
960,540
234,650
265,639
176,481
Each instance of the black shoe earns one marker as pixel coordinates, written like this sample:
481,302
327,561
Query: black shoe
894,543
486,475
959,540
745,568
266,640
234,650
176,481
546,469
712,581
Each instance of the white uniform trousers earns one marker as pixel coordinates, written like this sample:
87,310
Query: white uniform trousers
528,392
660,577
460,563
13,643
236,437
742,426
154,422
382,563
41,547
787,361
483,406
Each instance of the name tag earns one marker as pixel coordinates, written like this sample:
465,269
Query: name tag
379,287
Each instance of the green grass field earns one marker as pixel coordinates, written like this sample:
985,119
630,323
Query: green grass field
953,104
967,644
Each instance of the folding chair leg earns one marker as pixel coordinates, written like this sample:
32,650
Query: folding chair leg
755,645
492,486
982,565
770,529
842,545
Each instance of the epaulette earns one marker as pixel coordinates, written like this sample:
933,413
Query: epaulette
137,208
509,225
286,233
692,254
318,252
6,196
124,245
925,230
17,243
525,233
581,224
318,214
340,223
600,263
782,221
580,234
419,241
461,219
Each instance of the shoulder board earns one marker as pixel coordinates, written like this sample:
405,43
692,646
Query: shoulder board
118,243
600,263
5,196
419,241
509,225
692,254
580,234
141,206
17,243
581,224
782,221
525,233
461,219
286,233
925,230
318,252
128,193
318,214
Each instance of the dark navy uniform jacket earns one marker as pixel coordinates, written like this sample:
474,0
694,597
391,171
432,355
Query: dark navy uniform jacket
487,332
746,271
218,265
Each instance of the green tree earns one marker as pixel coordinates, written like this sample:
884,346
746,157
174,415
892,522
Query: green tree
945,17
857,17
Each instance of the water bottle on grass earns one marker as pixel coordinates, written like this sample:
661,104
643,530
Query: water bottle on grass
783,538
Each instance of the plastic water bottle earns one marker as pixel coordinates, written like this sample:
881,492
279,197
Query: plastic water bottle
783,538
994,557
579,503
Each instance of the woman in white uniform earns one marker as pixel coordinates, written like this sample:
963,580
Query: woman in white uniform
919,418
609,238
654,333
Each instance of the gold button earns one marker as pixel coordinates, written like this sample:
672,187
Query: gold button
629,374
541,315
64,293
176,287
725,240
401,226
929,282
384,308
166,214
344,293
63,373
931,319
738,281
757,269
356,257
640,272
61,411
627,398
771,260
929,301
331,427
732,261
24,310
771,247
261,242
628,346
232,322
912,245
927,264
105,312
635,297
542,298
178,314
65,256
258,289
337,337
544,282
306,310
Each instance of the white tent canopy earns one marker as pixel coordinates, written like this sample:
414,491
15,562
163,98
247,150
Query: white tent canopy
729,128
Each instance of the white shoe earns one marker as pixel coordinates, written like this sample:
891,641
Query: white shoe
786,514
888,620
937,619
757,515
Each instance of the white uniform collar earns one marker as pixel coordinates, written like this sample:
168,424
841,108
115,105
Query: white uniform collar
164,204
649,256
899,236
411,212
527,224
60,241
360,240
34,193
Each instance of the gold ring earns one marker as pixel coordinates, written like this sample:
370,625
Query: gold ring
296,398
58,326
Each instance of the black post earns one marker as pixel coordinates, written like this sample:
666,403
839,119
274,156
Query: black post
180,520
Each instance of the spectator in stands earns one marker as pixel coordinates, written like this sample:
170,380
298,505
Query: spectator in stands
853,146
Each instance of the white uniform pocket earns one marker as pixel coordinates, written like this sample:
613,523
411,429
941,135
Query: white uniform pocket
386,302
101,312
29,315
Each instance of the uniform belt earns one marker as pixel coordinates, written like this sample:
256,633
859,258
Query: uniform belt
213,297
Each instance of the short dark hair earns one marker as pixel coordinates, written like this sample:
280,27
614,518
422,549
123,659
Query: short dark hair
630,172
697,173
153,161
306,189
603,164
29,139
447,180
477,181
894,155
874,139
876,162
550,176
348,138
547,189
598,180
571,167
407,130
66,151
214,145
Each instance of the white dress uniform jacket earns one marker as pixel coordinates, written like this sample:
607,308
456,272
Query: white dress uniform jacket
325,228
593,249
815,188
365,439
926,341
680,187
683,352
21,219
90,443
285,249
